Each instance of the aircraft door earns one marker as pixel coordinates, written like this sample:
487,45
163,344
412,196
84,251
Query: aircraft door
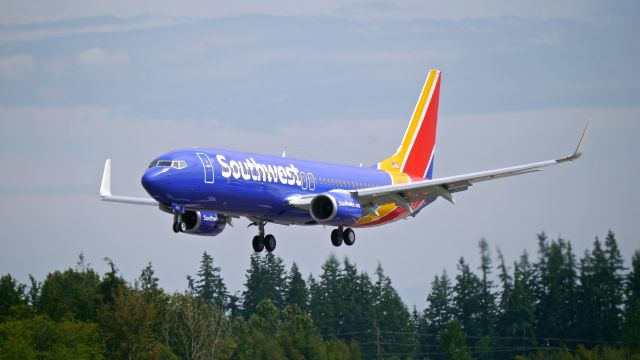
207,166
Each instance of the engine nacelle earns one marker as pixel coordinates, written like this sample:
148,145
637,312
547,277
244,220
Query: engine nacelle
335,208
202,223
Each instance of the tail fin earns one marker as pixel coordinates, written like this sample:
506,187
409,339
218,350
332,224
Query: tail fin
415,154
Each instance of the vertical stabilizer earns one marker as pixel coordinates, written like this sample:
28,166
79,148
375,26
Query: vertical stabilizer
416,152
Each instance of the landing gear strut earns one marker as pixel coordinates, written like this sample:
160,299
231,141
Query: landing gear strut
261,242
340,235
176,223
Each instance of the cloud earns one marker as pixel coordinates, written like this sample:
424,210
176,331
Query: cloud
15,66
98,57
16,12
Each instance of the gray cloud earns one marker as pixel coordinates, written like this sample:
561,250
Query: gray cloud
98,57
17,12
16,66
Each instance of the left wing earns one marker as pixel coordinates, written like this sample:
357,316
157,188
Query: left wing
105,190
406,194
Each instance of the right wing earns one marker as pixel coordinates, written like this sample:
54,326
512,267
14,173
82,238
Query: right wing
105,191
406,194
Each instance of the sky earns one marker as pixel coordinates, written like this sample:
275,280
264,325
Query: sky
336,81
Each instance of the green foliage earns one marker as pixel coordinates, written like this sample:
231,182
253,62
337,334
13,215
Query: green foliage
555,289
74,294
453,341
41,338
438,313
209,286
549,309
296,290
265,279
631,333
11,296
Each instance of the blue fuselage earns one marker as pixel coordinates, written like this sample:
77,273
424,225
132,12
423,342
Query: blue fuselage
249,185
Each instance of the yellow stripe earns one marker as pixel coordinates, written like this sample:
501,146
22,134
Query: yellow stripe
396,178
395,162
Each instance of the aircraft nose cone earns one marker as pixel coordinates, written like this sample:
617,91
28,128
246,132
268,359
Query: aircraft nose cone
153,182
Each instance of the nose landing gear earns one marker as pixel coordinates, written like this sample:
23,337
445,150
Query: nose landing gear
261,242
340,235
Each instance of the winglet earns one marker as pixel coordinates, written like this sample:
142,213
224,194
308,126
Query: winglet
105,186
581,145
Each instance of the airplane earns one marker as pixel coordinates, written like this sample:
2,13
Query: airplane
204,189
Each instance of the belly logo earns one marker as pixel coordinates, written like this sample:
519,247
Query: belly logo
350,203
251,170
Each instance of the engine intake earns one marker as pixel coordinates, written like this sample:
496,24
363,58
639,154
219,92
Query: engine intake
202,223
335,208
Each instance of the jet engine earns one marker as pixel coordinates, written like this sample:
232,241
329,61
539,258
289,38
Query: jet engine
335,208
202,223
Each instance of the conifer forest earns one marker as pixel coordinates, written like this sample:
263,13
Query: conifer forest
554,304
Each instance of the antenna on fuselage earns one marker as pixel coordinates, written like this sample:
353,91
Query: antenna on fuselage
284,153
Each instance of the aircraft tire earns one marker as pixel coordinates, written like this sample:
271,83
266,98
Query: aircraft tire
336,237
176,227
270,243
349,236
258,243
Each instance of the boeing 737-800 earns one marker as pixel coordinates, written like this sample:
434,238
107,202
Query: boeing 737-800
205,188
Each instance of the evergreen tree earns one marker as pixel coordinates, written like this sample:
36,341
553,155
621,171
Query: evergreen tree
355,307
299,337
210,287
296,293
264,327
505,312
600,294
391,316
147,279
437,314
326,298
111,283
488,311
74,293
265,279
467,301
614,289
452,342
33,296
631,334
516,319
11,295
555,289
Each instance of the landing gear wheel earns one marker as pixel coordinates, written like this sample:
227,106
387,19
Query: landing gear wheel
258,243
270,243
176,227
183,226
336,237
349,237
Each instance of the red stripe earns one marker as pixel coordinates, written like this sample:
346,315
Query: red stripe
392,216
422,150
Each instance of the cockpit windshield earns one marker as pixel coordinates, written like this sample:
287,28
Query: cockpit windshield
176,164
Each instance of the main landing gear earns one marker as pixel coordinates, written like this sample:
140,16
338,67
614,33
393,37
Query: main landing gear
176,223
261,242
340,235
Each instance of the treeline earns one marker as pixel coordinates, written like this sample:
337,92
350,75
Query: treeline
558,306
